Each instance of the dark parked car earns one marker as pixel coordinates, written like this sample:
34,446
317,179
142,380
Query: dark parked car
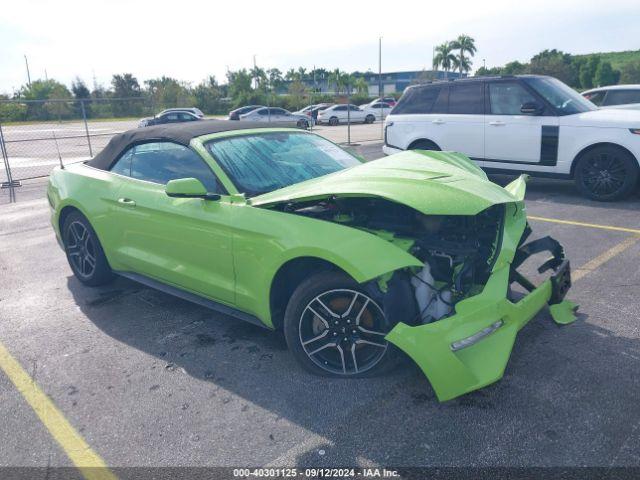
235,114
172,116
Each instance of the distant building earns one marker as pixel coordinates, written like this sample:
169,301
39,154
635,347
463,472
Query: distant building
397,81
392,82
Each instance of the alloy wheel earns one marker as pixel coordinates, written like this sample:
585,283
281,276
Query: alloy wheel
342,331
81,249
604,173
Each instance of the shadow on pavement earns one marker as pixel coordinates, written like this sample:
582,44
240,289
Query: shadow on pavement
566,399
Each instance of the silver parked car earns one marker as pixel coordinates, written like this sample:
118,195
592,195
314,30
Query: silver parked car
277,115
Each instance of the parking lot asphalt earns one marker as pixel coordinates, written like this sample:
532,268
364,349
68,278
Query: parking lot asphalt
147,379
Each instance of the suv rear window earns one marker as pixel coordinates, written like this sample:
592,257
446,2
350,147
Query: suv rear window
417,100
467,99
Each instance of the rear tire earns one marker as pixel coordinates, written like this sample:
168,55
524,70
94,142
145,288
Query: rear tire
369,119
303,124
424,145
333,121
335,329
606,173
84,252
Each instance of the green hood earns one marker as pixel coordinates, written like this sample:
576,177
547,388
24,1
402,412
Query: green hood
434,183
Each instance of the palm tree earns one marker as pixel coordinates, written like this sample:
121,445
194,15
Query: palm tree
361,86
465,44
338,78
444,56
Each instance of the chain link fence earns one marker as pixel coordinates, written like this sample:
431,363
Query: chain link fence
35,136
60,131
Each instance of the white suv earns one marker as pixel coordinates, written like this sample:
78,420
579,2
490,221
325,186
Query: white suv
532,124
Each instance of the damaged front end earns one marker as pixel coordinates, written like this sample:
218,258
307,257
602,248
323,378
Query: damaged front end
455,316
468,347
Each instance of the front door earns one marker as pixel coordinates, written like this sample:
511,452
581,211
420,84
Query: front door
185,242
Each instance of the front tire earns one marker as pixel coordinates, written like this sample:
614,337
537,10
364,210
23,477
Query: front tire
606,173
84,252
334,328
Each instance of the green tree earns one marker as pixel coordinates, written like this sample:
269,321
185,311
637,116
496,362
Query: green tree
208,96
361,86
465,44
46,90
630,72
125,86
167,92
339,80
298,92
587,71
444,56
81,93
557,64
513,68
240,89
606,75
275,79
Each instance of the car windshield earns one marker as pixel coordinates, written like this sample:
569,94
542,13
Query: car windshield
263,162
564,99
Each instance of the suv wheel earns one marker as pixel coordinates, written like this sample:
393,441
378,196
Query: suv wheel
606,173
334,328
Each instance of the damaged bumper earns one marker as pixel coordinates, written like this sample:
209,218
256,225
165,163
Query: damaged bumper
471,348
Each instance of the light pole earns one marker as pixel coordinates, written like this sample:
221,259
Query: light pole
26,62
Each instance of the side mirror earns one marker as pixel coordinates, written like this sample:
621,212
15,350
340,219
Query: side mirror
188,188
531,108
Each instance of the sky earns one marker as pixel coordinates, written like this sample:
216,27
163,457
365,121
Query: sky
192,39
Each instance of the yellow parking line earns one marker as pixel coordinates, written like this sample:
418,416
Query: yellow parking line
595,263
588,225
79,452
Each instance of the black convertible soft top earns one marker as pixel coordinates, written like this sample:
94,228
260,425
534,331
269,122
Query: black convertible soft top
181,133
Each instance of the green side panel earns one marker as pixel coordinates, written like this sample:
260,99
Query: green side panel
265,240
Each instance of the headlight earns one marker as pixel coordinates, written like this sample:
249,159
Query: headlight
476,337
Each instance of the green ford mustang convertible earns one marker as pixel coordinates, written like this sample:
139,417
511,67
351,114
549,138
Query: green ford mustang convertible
282,228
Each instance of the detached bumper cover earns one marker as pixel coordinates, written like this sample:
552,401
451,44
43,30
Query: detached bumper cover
470,349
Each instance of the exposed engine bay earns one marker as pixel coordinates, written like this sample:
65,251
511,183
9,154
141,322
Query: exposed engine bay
458,252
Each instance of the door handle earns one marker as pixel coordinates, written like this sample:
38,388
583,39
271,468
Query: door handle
127,202
497,124
438,121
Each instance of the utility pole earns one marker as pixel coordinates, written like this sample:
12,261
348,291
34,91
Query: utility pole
46,77
380,67
255,79
26,62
